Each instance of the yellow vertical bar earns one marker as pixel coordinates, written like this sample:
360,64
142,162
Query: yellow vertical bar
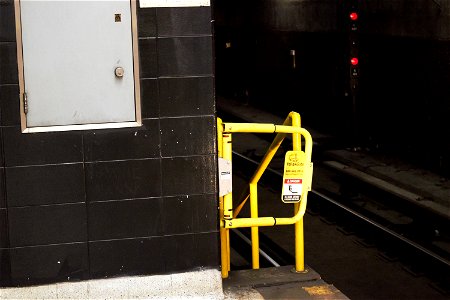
224,254
254,230
228,249
219,137
299,238
227,152
227,199
224,242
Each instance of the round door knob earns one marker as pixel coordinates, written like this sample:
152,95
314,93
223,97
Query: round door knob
119,71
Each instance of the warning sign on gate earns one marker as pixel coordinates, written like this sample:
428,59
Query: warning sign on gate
292,190
296,177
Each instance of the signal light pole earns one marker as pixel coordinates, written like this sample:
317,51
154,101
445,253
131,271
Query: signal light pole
352,32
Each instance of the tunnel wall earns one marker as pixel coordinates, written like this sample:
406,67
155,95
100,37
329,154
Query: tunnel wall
404,69
93,204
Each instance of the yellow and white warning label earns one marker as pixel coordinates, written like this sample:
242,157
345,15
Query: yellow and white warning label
292,190
296,177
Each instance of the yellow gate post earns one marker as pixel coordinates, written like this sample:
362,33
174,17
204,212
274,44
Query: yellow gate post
254,229
224,232
299,238
228,198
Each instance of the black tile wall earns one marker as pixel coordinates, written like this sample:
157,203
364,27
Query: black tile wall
188,175
43,148
178,215
126,257
153,255
7,28
206,216
4,239
149,98
8,63
148,57
121,144
3,203
180,21
38,265
40,185
189,214
186,96
185,56
203,248
147,22
123,180
178,246
91,204
2,160
5,268
207,249
9,104
187,136
43,225
125,219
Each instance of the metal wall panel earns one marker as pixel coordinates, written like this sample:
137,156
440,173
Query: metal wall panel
70,52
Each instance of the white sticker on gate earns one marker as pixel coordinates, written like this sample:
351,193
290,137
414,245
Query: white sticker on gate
292,190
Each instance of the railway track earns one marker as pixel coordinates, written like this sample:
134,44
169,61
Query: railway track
397,244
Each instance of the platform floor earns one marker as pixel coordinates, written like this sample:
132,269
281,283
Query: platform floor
278,283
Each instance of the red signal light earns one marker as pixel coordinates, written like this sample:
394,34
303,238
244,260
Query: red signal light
354,61
353,16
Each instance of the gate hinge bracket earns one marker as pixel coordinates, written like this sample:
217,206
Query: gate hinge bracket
25,103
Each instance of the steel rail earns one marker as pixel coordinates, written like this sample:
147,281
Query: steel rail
249,242
363,218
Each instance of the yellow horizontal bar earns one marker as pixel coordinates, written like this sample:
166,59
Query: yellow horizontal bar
262,128
250,222
271,128
248,127
268,221
290,129
259,222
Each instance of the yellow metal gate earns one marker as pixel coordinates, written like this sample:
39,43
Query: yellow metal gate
228,216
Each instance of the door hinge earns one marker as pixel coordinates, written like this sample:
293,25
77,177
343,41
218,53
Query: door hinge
25,103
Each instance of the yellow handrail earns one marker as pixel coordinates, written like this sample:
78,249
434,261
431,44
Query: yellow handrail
229,218
266,221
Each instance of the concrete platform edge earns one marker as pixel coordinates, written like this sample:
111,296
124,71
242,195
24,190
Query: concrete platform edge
203,284
278,283
269,277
